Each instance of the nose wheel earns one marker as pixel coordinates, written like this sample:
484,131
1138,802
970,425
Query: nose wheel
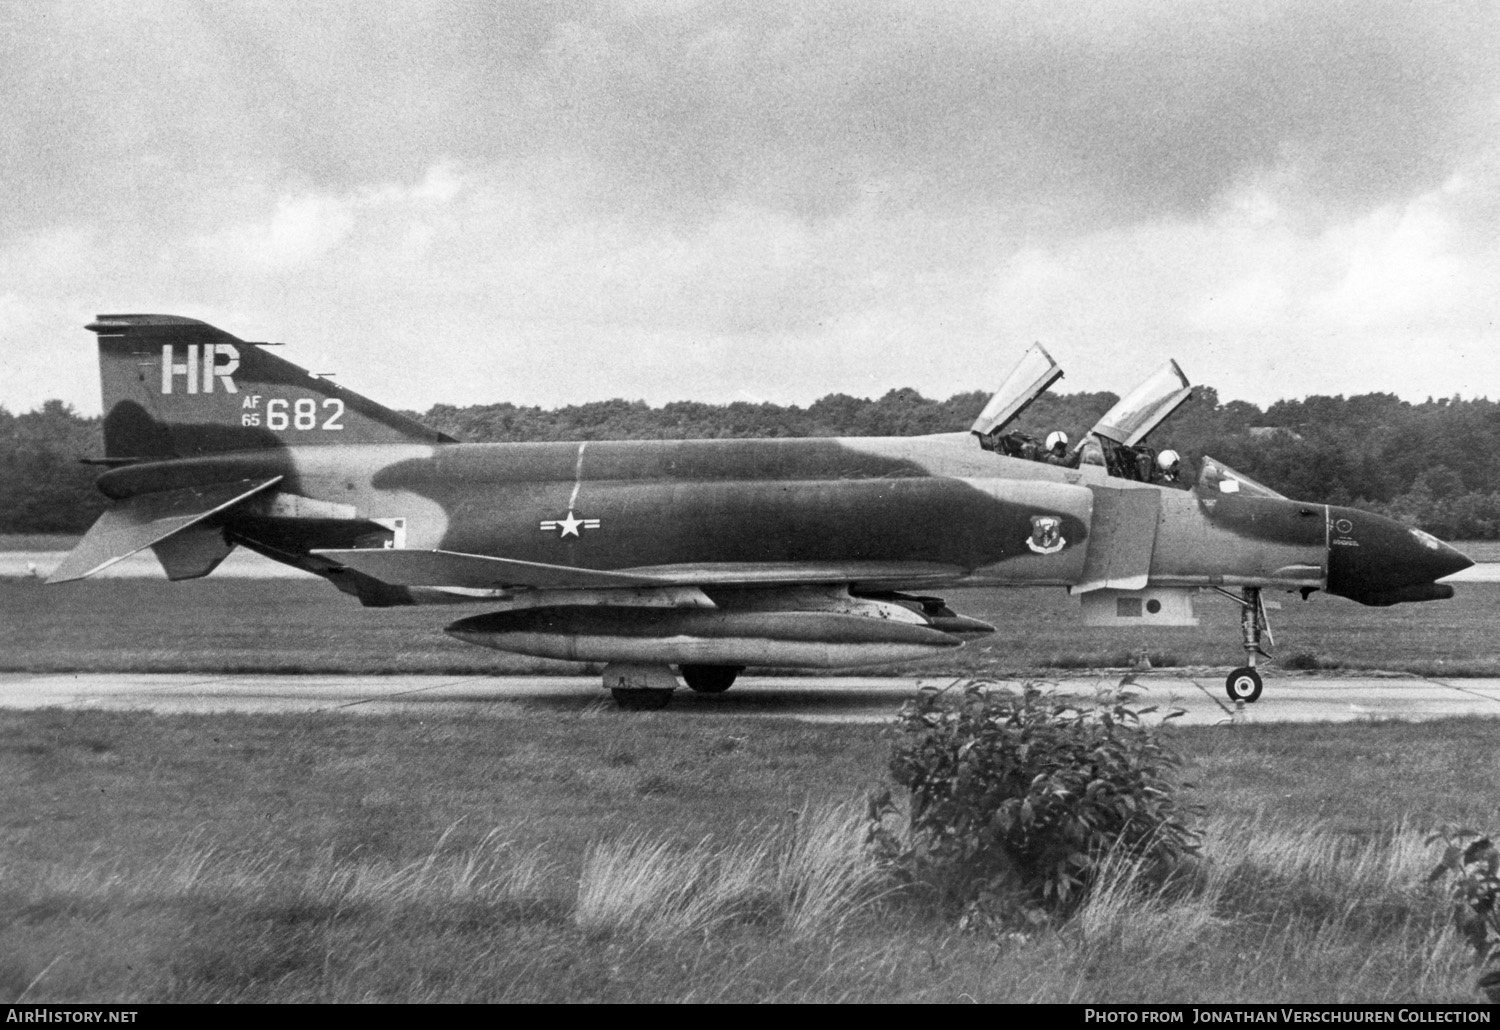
1244,683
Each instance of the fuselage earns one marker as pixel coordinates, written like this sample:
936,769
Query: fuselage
969,515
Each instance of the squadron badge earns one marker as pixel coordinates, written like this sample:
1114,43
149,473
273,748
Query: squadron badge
1046,534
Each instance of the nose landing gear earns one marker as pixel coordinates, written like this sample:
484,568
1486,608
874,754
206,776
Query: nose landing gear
1244,683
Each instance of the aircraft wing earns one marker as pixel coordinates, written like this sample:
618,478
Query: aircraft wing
147,520
891,574
401,567
416,568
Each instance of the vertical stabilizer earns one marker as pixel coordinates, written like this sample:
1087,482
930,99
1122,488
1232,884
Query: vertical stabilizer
176,387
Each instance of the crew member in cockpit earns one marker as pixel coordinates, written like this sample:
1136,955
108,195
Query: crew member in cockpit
1168,468
1091,453
1057,451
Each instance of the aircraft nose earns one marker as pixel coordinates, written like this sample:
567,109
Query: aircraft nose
1446,560
1426,558
1379,561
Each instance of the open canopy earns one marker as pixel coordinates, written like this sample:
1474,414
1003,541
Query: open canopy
1144,408
1027,381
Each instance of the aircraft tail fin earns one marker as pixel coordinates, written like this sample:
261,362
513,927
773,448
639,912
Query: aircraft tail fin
175,387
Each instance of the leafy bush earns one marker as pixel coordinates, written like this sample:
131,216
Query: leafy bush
1475,889
1016,798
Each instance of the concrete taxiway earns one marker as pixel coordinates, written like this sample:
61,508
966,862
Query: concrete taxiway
843,699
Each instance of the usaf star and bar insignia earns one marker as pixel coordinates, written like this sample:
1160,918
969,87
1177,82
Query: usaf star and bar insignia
569,526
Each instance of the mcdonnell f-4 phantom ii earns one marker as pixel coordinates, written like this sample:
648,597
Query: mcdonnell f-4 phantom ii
707,555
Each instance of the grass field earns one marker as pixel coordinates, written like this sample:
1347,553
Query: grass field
37,541
612,857
601,856
306,626
1480,550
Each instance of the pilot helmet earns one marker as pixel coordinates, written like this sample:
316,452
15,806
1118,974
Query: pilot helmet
1168,460
1055,438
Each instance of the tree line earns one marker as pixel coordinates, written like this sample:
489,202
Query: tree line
1435,464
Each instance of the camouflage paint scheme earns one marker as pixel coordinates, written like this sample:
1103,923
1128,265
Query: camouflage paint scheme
220,443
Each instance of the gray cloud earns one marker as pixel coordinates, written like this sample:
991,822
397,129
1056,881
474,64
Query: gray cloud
1055,113
770,199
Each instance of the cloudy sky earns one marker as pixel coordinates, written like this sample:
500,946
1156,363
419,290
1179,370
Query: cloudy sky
548,203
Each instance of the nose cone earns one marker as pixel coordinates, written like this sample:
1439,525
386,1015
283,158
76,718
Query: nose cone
1448,559
1378,561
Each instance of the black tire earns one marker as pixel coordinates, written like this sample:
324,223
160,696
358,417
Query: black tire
710,679
641,699
1243,685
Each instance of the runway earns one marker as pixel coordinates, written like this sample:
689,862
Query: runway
844,699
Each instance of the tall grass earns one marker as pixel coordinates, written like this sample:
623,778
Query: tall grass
825,871
1276,913
490,872
1131,909
806,877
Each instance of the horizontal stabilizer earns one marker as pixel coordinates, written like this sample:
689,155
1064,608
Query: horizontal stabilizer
414,568
138,522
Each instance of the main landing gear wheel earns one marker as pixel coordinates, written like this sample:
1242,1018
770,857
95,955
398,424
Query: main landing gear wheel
640,688
1243,684
710,679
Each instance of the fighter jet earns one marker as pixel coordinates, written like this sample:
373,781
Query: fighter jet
706,555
